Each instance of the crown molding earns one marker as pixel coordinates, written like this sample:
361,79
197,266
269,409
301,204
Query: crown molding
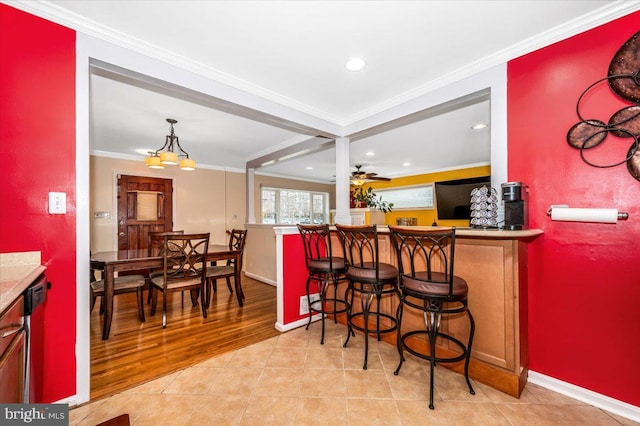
64,17
57,14
576,26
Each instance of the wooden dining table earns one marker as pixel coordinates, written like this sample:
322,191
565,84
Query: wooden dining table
111,262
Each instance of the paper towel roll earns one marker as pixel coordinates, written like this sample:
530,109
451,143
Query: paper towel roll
584,215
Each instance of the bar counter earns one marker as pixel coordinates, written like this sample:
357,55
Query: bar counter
494,264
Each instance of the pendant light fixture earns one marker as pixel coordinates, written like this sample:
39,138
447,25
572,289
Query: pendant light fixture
166,155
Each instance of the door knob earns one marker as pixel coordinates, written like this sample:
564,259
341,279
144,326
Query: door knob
121,234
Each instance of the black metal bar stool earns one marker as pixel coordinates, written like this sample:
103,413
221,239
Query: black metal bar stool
324,269
370,278
428,283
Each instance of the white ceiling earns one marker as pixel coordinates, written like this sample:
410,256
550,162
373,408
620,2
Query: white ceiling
293,53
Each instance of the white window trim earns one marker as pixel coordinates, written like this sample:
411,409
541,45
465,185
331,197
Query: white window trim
311,193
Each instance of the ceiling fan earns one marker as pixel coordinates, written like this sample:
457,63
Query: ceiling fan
359,177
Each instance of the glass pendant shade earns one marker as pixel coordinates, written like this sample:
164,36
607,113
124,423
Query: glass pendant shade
187,164
154,163
169,158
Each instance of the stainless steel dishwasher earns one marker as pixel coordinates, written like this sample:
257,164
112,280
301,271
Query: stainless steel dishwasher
34,296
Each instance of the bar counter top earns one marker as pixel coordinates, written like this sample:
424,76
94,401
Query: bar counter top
490,233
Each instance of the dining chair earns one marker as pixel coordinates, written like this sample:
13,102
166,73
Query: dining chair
371,279
237,240
183,258
428,284
325,270
121,285
155,244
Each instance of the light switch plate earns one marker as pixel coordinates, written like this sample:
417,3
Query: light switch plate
101,215
57,203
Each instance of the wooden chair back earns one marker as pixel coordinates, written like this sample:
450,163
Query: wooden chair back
184,257
155,241
237,240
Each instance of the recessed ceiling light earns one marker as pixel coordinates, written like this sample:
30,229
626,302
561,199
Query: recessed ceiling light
406,164
355,64
309,168
370,154
480,126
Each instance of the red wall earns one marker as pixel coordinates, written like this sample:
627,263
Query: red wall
294,278
584,284
37,147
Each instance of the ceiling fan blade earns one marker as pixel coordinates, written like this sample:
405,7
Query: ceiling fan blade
379,178
369,175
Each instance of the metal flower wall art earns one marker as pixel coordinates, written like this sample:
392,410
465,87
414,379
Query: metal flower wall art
624,80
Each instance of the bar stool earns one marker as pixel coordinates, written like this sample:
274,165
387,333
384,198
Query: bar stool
324,269
428,283
370,278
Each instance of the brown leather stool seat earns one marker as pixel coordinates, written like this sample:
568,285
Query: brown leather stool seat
368,272
326,264
421,284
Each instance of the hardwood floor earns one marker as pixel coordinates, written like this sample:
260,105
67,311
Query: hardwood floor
138,352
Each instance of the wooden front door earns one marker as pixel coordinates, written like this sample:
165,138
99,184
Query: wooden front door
144,205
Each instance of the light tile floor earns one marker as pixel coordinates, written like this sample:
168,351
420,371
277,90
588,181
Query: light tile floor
293,380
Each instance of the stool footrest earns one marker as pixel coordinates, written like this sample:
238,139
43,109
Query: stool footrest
327,302
412,351
373,316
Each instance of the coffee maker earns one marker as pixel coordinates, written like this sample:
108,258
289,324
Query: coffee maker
515,198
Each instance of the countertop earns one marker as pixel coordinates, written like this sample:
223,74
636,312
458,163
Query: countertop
482,233
17,272
488,233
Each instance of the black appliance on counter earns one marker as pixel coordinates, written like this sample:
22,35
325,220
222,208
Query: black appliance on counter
34,296
515,198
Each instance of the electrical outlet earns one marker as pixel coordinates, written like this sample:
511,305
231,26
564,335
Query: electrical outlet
304,305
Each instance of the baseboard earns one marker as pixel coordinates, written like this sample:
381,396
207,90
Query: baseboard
261,279
606,403
72,401
296,324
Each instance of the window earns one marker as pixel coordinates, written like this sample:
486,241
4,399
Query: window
291,206
409,197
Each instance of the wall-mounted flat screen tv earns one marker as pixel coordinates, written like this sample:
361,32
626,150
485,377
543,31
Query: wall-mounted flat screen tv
453,197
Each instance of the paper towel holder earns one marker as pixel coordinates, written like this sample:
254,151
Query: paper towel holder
621,215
